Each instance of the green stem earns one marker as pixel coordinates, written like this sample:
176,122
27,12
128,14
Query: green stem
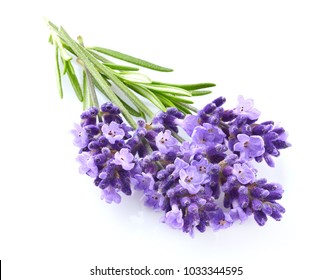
109,74
96,75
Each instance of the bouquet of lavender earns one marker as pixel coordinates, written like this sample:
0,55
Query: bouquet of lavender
195,166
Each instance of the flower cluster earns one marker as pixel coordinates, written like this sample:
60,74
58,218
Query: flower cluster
205,179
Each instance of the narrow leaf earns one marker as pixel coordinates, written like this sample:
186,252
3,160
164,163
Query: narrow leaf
132,111
134,77
121,67
148,94
58,73
200,92
169,89
175,98
86,97
110,75
84,56
189,107
166,102
131,59
74,81
100,57
187,86
182,108
65,66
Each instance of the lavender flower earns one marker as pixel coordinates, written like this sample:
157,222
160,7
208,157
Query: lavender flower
112,132
110,195
189,180
245,108
174,218
249,146
165,141
87,165
124,158
81,137
243,173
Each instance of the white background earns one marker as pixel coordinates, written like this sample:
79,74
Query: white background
53,224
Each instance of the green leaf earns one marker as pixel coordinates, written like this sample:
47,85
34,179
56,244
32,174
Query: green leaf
84,56
74,81
187,86
87,103
132,111
110,74
65,66
131,59
50,39
169,89
182,108
175,98
189,107
200,92
148,94
134,77
58,73
100,57
121,67
166,102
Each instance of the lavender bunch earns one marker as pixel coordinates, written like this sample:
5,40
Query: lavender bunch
205,179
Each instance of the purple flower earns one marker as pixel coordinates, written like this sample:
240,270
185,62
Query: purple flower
81,137
189,123
87,165
207,135
165,141
124,158
243,173
203,166
153,199
188,149
110,195
143,181
179,165
237,213
245,107
112,132
191,179
249,146
185,180
219,220
174,218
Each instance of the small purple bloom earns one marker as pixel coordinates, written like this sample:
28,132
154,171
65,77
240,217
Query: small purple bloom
153,199
219,220
249,146
165,141
87,165
174,218
189,123
110,195
143,181
112,132
191,179
81,137
237,213
124,158
188,149
203,166
243,173
179,165
245,107
207,134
